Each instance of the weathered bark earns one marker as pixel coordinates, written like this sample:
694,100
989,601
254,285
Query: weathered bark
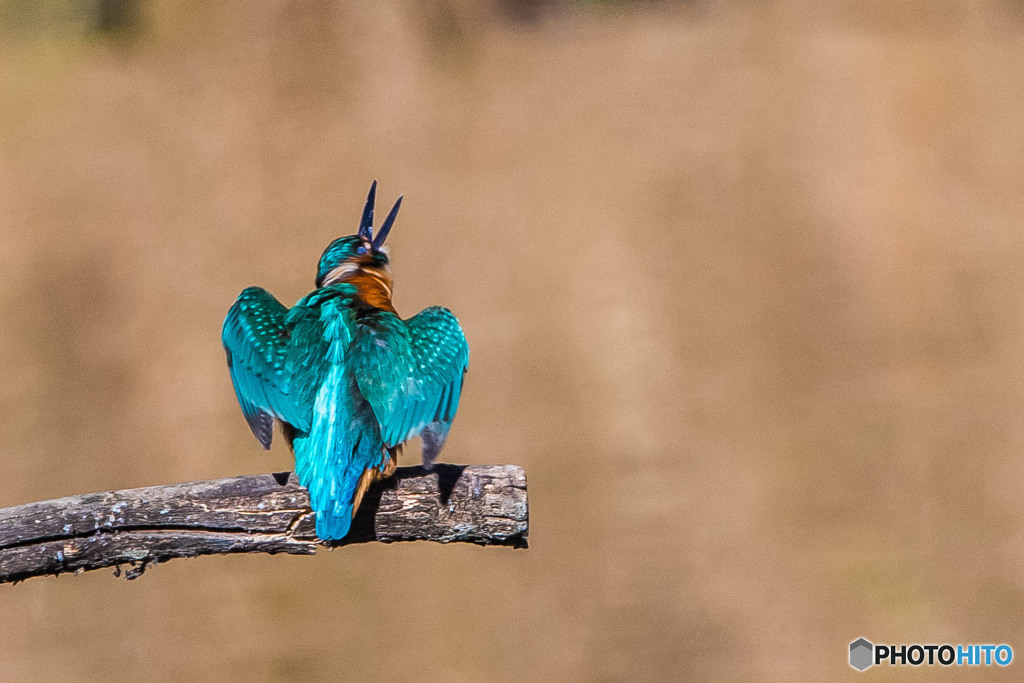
483,504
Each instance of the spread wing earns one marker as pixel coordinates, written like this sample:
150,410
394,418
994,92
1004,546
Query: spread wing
411,374
256,336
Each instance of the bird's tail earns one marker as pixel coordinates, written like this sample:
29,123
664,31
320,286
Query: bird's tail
336,473
331,490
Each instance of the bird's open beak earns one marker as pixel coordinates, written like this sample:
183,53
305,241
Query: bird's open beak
366,224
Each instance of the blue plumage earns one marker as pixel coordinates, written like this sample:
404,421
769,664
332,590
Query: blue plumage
351,380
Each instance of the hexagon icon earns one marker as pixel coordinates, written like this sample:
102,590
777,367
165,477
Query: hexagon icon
861,654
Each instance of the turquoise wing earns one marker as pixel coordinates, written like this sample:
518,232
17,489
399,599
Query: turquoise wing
411,374
256,338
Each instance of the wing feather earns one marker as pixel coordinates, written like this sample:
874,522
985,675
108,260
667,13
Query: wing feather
411,372
256,338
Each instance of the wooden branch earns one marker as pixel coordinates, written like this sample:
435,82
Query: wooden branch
268,513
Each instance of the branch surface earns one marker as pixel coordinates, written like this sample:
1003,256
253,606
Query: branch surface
267,513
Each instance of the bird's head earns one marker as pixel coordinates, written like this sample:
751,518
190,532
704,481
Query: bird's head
364,250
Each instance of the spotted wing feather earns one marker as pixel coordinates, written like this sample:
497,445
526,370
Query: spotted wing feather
256,339
411,374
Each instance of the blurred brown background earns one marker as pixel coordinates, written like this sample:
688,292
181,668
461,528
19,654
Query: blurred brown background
743,282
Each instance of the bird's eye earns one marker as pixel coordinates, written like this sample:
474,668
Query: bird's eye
361,250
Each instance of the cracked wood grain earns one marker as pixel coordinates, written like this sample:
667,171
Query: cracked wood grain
269,513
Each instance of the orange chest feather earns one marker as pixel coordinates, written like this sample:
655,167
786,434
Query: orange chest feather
373,289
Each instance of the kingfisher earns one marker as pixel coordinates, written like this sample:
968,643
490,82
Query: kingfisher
348,380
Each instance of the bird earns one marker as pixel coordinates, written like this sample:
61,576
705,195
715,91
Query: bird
348,380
